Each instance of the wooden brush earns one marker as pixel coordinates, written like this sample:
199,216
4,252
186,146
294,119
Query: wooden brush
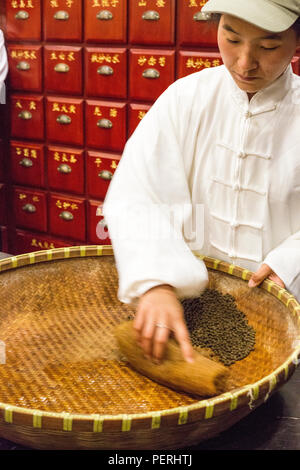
203,377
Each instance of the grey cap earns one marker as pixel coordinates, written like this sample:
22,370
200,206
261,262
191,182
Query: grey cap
271,15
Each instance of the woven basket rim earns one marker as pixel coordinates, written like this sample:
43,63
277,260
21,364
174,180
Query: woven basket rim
252,394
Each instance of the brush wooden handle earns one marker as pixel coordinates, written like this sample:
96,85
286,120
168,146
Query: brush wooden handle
203,377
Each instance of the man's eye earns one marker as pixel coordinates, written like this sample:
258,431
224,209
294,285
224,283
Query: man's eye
232,41
269,48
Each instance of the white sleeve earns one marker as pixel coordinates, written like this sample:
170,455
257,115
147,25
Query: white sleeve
3,68
148,244
284,260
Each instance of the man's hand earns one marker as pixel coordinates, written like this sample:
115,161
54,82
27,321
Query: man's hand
263,273
159,313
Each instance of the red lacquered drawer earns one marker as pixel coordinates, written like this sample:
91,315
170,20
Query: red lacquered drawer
150,73
30,209
23,19
105,21
65,169
28,242
191,61
3,204
152,22
25,67
27,163
100,168
1,161
106,72
64,120
67,217
136,113
63,69
27,117
97,228
62,20
106,125
193,27
4,240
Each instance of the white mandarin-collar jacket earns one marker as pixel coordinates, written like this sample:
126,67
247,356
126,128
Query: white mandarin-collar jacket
204,143
3,68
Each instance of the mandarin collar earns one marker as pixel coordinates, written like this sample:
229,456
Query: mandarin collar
264,100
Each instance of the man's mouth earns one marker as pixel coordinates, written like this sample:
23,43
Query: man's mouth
245,79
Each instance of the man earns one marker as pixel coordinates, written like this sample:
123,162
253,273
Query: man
227,139
3,68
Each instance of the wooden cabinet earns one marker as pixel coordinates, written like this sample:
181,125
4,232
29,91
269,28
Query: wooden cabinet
97,229
27,241
30,207
192,61
193,27
3,203
136,113
64,120
66,169
23,20
67,217
2,171
83,74
105,125
27,116
150,73
62,20
25,66
100,168
152,22
105,70
105,21
27,163
63,69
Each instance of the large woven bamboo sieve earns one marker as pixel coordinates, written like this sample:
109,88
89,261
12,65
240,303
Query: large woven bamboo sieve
64,384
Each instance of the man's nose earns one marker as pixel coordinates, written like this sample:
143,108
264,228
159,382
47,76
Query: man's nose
247,60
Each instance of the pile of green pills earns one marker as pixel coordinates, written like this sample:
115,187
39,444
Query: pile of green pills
215,322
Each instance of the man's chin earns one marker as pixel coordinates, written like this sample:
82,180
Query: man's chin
248,87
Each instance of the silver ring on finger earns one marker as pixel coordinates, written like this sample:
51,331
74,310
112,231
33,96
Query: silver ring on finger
161,325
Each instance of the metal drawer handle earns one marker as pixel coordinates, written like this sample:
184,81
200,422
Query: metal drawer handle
26,162
23,66
63,119
64,168
67,216
201,16
104,15
22,15
30,208
151,73
105,175
105,123
105,70
26,115
62,68
103,223
61,15
151,15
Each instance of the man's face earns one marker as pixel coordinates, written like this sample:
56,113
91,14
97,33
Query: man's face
254,57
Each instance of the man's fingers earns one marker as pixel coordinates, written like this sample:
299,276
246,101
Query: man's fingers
183,338
146,339
161,338
261,274
273,277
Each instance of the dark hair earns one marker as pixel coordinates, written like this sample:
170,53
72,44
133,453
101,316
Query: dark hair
296,27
